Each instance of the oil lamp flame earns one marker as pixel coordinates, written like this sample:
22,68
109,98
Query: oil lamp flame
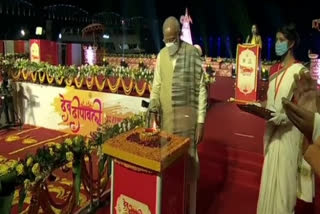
154,125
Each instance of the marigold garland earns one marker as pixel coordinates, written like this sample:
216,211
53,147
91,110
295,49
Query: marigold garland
34,75
42,77
25,74
68,81
150,87
49,78
141,91
127,89
59,80
114,88
16,76
78,83
89,82
100,87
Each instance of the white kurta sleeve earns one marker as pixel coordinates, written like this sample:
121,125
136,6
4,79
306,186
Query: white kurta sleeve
316,127
203,95
156,86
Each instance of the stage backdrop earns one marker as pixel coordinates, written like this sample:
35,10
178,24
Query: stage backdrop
72,110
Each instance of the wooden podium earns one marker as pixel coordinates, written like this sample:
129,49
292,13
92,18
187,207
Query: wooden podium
248,61
147,180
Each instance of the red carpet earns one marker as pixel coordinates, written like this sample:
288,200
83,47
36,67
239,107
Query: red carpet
17,144
231,163
231,159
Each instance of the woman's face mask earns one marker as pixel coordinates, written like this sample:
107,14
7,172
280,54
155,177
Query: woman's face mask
281,48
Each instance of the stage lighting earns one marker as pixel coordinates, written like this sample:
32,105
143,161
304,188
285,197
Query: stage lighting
39,31
22,32
106,36
60,35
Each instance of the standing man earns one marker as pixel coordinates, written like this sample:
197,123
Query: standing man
179,93
305,116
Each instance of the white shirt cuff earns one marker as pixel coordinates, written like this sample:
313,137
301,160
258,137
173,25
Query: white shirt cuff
316,127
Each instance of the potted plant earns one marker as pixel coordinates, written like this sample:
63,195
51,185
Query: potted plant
8,181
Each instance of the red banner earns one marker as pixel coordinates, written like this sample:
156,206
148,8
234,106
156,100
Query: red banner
247,72
69,54
35,50
44,50
20,46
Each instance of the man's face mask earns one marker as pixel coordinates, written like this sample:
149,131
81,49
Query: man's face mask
169,44
281,48
173,47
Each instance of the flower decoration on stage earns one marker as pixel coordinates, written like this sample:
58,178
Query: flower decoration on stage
106,131
144,74
36,168
69,156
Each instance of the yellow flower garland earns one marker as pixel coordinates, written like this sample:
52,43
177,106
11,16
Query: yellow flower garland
150,87
42,78
59,81
78,83
34,75
141,91
17,76
25,74
114,88
68,81
127,89
100,87
49,78
90,83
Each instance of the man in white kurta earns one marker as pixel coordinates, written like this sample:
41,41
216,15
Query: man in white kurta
304,115
162,97
286,176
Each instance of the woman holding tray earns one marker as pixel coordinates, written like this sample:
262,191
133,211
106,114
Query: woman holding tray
285,176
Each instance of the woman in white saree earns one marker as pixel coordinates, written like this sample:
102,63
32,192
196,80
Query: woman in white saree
285,176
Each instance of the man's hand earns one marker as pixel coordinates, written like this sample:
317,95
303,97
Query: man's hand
301,118
199,132
307,98
305,92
